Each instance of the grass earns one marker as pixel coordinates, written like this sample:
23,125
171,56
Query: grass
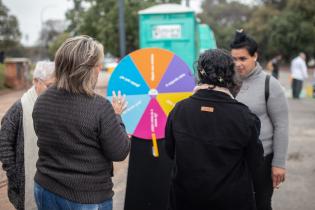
1,76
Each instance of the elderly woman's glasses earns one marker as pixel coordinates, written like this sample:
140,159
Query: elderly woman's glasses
46,84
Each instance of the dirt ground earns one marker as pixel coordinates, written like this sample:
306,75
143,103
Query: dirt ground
297,193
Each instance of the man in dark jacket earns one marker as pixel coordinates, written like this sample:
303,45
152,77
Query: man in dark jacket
214,142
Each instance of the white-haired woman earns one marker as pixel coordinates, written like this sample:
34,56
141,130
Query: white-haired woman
80,133
18,149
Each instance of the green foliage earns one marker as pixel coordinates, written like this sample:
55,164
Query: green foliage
54,45
99,19
293,30
259,28
277,4
292,34
9,29
51,29
305,8
279,26
224,17
74,15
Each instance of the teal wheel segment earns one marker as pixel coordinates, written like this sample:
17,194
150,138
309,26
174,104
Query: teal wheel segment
132,115
127,79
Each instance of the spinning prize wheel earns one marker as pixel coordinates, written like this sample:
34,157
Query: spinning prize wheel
153,80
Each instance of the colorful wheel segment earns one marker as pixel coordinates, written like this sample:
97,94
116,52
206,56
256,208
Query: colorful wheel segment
153,80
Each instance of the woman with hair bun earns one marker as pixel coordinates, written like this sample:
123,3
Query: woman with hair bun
213,140
264,97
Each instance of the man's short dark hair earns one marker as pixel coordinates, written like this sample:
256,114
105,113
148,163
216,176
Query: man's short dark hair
242,40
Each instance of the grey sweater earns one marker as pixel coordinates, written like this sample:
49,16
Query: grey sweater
78,138
273,115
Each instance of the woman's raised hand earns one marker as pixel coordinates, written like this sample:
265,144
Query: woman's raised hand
119,102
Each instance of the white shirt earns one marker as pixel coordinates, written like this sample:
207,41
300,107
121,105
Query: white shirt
298,68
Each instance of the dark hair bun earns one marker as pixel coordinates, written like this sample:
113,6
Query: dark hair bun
240,36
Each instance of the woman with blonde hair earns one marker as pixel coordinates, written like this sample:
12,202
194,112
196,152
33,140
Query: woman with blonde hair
79,133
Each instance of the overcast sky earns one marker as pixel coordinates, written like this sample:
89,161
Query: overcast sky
31,13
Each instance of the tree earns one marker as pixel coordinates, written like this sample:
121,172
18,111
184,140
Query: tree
259,28
224,17
50,30
283,26
9,29
277,4
99,19
73,16
293,30
56,43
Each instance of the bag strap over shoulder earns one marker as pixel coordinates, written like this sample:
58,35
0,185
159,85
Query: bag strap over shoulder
267,81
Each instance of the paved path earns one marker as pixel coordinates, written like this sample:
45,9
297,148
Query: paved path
297,193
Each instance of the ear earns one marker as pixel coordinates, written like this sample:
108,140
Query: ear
98,68
35,81
256,56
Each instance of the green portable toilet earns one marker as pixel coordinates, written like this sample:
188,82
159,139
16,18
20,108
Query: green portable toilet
206,38
172,27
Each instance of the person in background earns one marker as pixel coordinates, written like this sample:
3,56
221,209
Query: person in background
213,140
274,66
299,73
267,100
79,133
18,149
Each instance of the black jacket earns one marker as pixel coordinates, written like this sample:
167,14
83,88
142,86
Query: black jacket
214,142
